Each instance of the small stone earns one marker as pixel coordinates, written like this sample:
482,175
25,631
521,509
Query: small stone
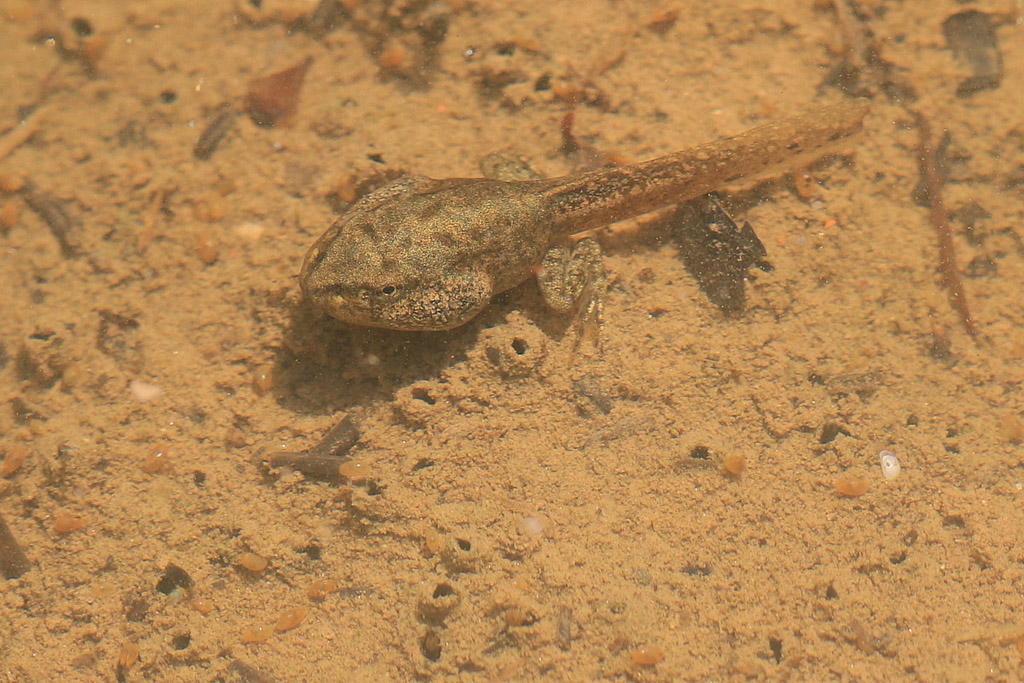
65,523
289,619
144,391
734,465
647,655
206,250
250,231
157,461
321,588
256,634
852,485
253,562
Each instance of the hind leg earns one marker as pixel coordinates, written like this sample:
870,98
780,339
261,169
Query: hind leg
575,282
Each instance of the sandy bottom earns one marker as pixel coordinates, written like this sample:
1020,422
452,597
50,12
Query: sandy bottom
516,511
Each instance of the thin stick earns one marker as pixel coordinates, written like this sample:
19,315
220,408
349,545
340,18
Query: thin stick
149,223
56,217
323,459
318,467
337,440
940,219
21,132
13,562
853,38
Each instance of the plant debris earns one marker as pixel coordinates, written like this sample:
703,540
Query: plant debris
940,220
971,36
717,252
272,100
13,562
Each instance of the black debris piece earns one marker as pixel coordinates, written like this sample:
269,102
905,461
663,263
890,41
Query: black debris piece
971,35
717,252
174,577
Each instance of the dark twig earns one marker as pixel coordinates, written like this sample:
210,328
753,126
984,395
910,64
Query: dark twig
56,217
316,467
13,562
322,461
337,440
219,126
940,219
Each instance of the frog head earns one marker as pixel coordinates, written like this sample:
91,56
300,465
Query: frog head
382,264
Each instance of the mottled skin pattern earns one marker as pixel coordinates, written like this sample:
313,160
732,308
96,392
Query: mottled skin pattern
424,254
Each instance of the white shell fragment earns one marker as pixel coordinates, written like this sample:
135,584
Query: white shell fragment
144,391
890,464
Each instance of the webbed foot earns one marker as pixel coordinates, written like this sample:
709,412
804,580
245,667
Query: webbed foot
575,282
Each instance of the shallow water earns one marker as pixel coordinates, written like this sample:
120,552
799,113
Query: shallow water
516,511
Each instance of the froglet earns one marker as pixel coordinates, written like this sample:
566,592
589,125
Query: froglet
425,254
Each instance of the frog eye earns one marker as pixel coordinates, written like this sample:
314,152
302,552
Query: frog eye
377,293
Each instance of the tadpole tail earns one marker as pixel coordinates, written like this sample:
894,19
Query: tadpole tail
602,197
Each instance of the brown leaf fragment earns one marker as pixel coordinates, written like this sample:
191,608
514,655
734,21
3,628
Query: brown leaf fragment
273,99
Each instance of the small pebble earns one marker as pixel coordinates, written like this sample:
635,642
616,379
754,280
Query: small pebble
354,470
432,539
263,380
250,231
144,391
393,60
206,250
203,605
65,523
647,655
256,634
13,461
734,465
890,464
851,485
321,588
514,616
253,562
156,461
289,619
